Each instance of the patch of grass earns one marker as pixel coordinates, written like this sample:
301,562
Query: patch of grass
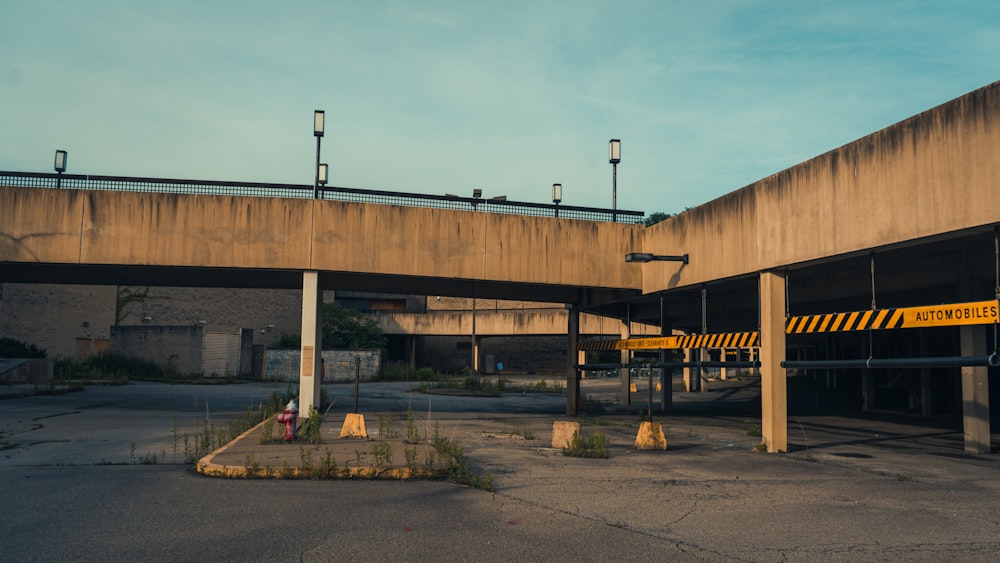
472,386
754,430
593,447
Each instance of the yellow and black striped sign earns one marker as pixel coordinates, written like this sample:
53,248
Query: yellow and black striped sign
954,314
720,340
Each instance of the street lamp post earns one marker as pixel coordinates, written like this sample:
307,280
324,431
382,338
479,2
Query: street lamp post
319,117
614,157
60,166
556,196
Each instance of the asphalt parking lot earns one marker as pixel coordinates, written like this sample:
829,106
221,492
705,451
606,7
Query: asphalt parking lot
851,488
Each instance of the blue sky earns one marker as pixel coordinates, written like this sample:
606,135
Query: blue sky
443,97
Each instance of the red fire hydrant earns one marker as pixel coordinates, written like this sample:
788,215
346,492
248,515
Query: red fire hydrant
288,418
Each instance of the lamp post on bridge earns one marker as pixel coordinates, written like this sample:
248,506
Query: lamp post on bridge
614,157
319,116
556,196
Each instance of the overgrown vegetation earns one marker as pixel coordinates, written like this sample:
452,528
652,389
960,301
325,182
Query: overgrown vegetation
111,368
11,348
593,447
457,466
194,447
402,372
468,385
443,457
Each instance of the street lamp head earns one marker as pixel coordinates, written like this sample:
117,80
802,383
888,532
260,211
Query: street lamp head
556,193
477,193
614,151
650,257
639,257
60,164
322,174
318,118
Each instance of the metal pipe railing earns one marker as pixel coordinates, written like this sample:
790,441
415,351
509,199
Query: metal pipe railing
668,365
992,360
299,191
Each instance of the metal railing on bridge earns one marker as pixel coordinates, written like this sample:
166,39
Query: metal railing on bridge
302,191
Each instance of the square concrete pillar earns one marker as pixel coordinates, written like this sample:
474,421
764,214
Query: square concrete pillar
975,392
774,395
723,374
688,358
312,343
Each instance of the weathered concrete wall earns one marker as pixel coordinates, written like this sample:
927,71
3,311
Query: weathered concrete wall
172,347
339,364
510,322
106,227
932,174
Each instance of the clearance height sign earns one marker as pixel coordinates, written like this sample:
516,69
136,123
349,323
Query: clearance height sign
954,314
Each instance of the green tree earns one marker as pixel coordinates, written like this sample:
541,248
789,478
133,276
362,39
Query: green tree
656,217
348,328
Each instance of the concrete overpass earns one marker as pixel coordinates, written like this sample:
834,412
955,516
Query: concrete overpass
903,217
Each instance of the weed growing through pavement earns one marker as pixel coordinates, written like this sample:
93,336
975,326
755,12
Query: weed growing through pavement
310,432
594,447
382,452
412,432
411,459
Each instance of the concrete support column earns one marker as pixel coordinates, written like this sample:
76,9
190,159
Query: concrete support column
625,376
722,358
412,341
312,343
774,395
476,345
688,358
573,357
975,392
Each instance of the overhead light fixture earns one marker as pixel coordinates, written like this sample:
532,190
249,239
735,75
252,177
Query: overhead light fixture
477,193
649,257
